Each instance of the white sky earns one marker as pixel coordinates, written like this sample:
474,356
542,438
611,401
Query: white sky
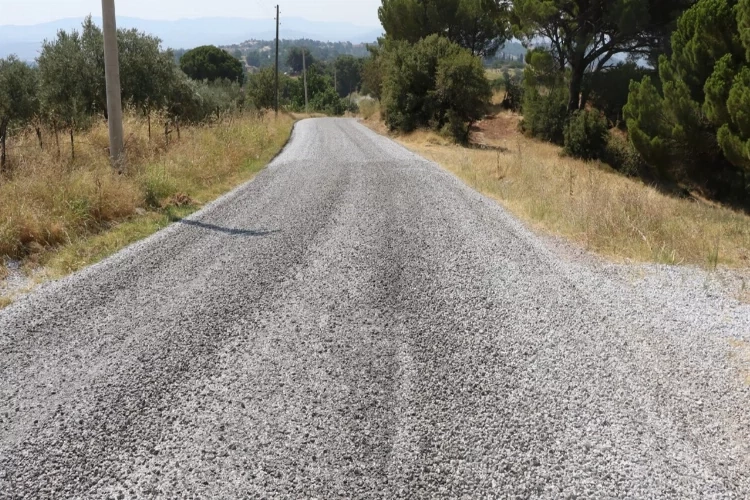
361,12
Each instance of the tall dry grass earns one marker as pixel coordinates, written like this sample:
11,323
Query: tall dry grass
587,202
50,201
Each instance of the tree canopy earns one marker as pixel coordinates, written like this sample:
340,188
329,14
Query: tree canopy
697,116
348,74
481,26
211,63
585,36
18,97
434,83
295,61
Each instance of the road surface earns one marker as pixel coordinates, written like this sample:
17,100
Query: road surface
357,323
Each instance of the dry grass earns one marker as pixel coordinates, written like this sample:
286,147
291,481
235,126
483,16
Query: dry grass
588,203
740,354
66,214
369,108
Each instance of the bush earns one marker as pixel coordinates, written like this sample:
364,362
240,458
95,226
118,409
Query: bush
545,115
368,107
586,135
433,83
513,92
328,102
212,63
620,154
462,91
260,88
545,98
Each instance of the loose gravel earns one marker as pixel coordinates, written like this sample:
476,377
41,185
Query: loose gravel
357,323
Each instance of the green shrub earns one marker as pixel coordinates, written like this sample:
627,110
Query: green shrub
328,102
545,98
211,63
545,115
691,123
368,107
513,92
620,154
433,83
463,93
586,135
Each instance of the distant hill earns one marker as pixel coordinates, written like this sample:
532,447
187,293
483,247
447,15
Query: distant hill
26,41
512,48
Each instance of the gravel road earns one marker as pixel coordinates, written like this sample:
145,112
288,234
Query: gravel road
357,323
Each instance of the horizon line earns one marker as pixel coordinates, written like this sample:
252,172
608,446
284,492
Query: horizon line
186,19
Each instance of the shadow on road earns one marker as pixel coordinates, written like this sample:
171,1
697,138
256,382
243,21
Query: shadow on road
227,230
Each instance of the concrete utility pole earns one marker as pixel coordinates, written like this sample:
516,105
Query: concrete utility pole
277,60
304,76
112,71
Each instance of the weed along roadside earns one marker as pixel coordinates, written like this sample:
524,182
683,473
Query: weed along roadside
588,203
61,215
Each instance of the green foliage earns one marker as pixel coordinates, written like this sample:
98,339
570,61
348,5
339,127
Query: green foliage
19,101
480,26
584,36
545,100
328,102
68,90
146,73
348,74
620,154
647,126
698,128
211,63
260,88
462,89
322,96
608,89
513,92
433,83
545,114
372,75
67,82
294,59
586,134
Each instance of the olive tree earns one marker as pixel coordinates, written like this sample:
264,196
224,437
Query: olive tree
19,101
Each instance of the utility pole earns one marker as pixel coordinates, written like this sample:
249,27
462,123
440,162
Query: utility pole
304,76
112,72
277,60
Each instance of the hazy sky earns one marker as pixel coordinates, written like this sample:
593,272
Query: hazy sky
362,12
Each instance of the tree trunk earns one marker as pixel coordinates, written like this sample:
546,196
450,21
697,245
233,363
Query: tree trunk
39,137
57,139
148,118
574,90
3,134
72,145
177,126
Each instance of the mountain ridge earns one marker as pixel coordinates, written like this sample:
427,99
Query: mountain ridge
26,41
